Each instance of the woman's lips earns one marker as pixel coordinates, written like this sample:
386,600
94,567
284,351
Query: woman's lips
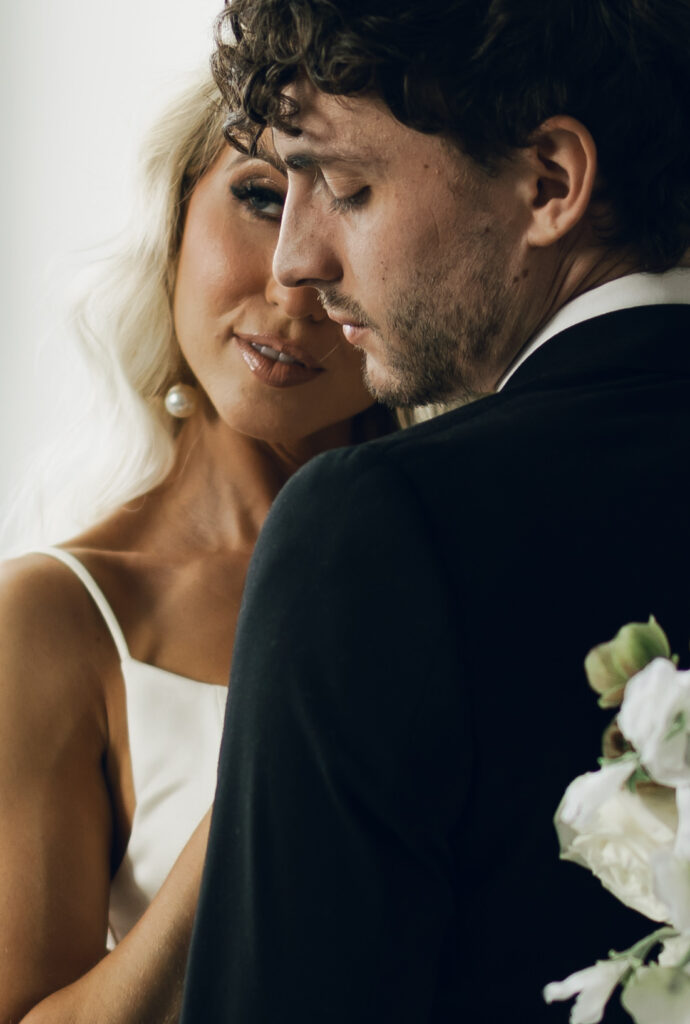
276,363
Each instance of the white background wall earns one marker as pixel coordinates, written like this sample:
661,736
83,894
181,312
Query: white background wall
79,82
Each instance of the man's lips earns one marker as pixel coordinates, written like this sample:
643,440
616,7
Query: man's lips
351,329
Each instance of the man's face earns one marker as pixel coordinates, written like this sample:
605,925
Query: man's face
414,249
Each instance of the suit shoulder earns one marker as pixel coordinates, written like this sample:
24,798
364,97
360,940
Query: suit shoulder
347,485
353,516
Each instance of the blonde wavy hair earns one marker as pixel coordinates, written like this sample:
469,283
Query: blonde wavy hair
115,441
118,442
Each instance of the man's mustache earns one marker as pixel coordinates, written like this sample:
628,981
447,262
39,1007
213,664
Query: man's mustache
333,302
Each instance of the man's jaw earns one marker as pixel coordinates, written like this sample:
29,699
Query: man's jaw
362,333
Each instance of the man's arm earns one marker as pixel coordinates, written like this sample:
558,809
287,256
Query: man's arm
327,893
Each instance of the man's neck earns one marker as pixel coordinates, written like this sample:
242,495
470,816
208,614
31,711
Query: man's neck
580,272
622,292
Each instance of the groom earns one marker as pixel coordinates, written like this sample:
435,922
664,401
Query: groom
493,199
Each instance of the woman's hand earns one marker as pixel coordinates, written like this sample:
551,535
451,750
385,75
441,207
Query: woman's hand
142,979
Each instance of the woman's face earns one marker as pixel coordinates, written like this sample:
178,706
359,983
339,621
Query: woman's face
271,362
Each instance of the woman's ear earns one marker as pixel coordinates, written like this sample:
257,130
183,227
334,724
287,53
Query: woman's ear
563,168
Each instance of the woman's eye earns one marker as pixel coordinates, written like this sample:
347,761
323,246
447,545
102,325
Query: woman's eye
343,204
264,202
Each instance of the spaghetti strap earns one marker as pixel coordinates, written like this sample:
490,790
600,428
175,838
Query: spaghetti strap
96,593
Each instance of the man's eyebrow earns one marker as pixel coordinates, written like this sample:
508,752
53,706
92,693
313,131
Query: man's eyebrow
306,161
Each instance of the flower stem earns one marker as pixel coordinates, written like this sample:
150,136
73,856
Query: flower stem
643,948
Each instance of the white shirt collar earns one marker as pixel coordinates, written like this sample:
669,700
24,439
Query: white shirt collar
668,288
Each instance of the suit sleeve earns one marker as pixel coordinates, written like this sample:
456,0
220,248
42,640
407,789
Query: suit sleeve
327,891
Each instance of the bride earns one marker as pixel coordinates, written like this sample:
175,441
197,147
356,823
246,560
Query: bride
115,646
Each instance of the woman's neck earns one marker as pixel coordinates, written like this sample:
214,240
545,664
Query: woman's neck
222,484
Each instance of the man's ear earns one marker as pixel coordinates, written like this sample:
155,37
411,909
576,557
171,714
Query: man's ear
564,168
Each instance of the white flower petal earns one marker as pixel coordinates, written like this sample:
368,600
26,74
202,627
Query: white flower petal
656,701
671,876
619,841
683,833
585,794
658,995
674,950
593,987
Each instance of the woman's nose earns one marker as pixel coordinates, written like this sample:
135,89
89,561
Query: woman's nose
298,303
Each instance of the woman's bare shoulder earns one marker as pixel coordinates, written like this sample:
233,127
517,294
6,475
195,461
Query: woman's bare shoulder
51,637
40,597
54,800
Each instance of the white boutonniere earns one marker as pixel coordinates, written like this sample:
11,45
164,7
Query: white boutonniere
629,824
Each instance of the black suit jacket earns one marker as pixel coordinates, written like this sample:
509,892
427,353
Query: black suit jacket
408,701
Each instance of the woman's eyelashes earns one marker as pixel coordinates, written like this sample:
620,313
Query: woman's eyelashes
343,204
261,200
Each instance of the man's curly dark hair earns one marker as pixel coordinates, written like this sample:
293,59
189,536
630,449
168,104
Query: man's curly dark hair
486,74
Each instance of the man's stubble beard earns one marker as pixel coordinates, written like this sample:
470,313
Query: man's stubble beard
443,341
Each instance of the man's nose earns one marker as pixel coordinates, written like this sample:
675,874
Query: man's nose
306,253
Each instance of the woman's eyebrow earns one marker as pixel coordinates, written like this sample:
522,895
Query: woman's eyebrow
271,158
266,155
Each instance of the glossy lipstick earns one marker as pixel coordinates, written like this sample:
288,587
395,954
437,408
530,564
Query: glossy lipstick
277,362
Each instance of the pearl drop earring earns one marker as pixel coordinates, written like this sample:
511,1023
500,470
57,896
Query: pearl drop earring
180,401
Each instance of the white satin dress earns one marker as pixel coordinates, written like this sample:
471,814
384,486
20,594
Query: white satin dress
175,726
